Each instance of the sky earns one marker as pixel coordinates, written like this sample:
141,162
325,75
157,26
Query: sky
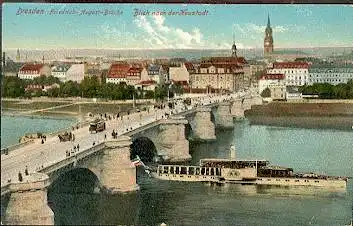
294,26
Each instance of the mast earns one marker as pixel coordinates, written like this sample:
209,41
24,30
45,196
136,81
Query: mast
232,152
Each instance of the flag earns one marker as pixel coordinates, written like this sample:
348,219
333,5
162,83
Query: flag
137,162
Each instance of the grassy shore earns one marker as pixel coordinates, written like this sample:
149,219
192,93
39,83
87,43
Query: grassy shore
304,115
28,105
78,109
323,122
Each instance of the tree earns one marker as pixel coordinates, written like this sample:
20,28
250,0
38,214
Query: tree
13,87
70,89
161,91
266,92
89,87
149,94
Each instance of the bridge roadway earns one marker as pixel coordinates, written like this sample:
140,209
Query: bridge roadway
38,156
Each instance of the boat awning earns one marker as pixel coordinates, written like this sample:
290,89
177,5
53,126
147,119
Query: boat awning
228,163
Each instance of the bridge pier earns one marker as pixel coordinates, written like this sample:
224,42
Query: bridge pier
28,202
237,109
224,118
117,173
172,141
202,126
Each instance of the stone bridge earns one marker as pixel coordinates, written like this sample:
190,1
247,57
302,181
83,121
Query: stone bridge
110,159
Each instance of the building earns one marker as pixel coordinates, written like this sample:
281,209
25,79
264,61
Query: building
76,73
221,73
154,72
146,85
268,41
11,68
44,88
255,67
180,71
31,71
60,71
94,70
276,84
123,72
296,73
216,76
330,73
292,93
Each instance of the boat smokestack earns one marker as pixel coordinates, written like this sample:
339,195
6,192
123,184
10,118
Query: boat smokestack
232,152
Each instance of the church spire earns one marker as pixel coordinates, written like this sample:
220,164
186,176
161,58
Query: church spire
268,20
18,56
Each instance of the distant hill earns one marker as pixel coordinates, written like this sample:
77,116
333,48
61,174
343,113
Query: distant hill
62,54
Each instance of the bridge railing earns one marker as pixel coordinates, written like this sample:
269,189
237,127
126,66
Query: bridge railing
8,149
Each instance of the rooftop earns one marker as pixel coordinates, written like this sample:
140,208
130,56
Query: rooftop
31,67
280,65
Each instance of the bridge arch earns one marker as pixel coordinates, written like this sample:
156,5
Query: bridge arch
74,180
144,148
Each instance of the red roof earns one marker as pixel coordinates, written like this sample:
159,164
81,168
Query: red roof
280,65
31,67
189,66
272,76
118,70
135,69
123,69
147,82
221,65
183,83
226,60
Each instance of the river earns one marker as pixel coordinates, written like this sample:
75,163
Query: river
14,127
181,203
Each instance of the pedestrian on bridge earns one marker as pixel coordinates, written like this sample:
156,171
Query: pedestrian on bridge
78,147
20,178
105,136
42,141
26,171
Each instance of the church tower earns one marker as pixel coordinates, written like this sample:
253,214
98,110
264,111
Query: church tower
234,48
18,55
268,42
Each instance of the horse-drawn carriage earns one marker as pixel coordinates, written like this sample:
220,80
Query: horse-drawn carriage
65,137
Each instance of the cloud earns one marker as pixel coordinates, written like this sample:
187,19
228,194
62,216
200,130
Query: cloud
160,35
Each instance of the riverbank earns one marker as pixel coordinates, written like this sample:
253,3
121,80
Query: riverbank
64,109
279,109
304,115
340,123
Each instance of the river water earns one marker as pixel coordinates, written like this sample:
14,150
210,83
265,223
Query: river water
181,203
14,127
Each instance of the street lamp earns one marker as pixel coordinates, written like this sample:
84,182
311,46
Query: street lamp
169,86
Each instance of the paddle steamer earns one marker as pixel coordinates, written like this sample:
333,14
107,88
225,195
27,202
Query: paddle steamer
246,172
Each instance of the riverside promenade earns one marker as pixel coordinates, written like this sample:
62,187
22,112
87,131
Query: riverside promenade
37,156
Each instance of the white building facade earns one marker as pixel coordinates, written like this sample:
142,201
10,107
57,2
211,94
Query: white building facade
331,75
31,71
271,80
60,72
295,73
